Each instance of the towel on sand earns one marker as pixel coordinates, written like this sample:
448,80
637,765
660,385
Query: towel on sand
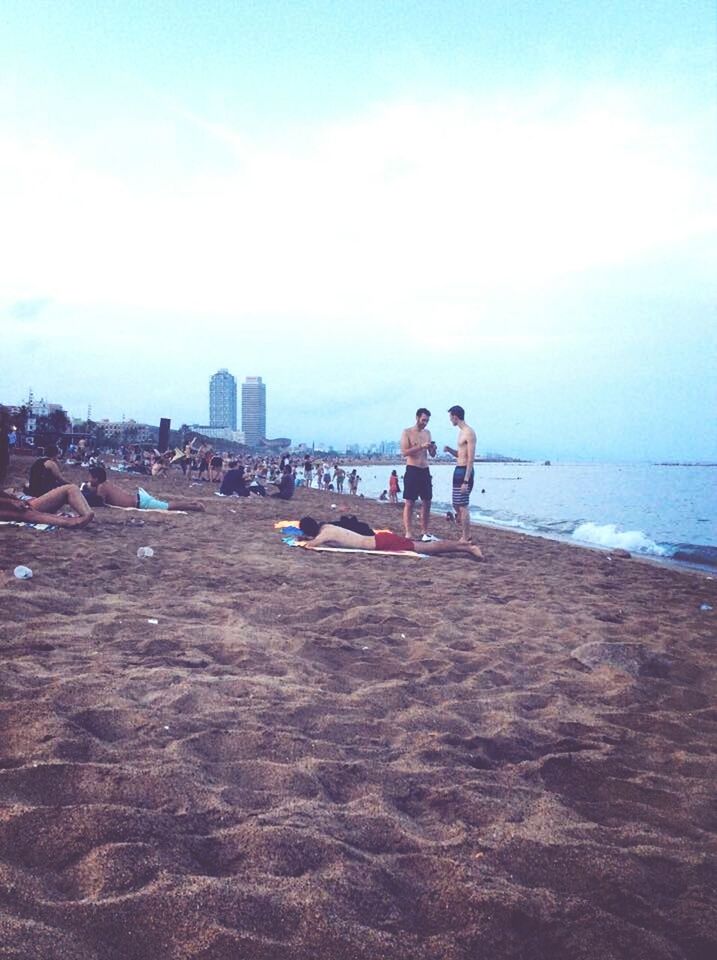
22,523
294,542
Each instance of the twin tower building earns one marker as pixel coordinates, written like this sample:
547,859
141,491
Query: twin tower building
223,406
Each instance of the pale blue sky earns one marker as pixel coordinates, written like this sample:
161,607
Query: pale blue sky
374,206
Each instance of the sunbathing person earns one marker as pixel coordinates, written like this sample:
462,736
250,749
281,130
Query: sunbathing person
44,509
331,535
115,496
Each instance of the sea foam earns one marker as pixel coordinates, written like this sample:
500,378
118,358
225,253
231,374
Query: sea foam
608,535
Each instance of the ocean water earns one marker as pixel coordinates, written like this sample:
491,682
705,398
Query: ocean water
667,512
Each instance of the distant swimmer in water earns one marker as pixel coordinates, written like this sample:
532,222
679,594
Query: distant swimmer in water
330,535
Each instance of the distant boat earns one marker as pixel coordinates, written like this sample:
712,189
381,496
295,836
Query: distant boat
547,463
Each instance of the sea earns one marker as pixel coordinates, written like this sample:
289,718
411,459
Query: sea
664,511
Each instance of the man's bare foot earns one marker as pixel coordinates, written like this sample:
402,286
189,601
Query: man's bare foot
76,523
476,553
464,540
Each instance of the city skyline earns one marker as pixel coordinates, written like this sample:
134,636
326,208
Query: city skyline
511,207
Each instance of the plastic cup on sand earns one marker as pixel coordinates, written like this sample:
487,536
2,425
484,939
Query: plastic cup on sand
145,552
22,573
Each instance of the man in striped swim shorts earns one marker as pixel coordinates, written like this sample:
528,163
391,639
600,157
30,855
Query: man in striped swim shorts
463,473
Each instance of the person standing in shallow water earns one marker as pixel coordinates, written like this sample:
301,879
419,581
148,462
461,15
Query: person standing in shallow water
463,473
416,444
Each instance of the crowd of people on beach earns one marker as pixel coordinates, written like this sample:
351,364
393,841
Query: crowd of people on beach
48,494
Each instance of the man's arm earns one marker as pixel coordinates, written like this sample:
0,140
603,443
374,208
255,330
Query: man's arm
470,454
453,453
10,504
409,451
54,469
322,537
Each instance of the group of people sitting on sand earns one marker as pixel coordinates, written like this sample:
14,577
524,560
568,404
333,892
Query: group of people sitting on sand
48,495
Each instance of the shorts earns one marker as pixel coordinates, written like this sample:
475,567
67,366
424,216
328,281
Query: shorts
145,501
392,542
217,462
461,495
417,483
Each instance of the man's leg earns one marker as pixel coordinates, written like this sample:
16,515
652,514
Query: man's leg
463,518
192,506
434,547
55,499
425,515
37,516
408,506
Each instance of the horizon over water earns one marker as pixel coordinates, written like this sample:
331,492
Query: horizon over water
662,511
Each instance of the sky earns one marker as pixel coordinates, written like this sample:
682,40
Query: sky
375,206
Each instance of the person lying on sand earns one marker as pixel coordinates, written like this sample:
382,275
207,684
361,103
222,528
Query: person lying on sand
44,509
330,535
115,496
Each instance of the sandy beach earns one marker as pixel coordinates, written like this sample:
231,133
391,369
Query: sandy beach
236,749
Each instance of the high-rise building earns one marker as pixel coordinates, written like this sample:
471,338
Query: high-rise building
223,400
253,410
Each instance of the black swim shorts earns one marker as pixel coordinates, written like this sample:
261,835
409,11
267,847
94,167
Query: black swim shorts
417,484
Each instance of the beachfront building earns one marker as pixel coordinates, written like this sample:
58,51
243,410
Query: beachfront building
128,431
223,400
218,433
253,410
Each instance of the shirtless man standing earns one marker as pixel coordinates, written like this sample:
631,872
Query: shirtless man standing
416,444
463,473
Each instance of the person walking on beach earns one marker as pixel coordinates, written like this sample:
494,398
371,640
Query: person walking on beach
393,487
416,444
308,472
463,473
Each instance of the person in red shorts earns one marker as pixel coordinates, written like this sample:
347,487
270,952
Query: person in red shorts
329,535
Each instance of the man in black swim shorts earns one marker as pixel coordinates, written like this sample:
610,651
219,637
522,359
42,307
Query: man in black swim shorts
416,445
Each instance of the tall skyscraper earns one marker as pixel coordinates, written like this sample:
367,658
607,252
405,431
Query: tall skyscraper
253,410
223,400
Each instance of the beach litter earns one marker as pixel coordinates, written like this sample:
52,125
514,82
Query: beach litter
145,552
152,620
22,573
703,606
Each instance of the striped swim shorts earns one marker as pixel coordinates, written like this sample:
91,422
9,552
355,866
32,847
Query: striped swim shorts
461,494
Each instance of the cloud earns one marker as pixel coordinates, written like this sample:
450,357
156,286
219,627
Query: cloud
28,309
409,214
